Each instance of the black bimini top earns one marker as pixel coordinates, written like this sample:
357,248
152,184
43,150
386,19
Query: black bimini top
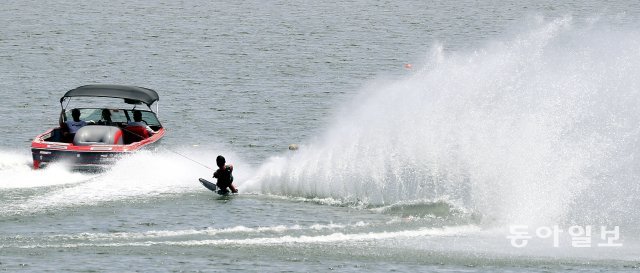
129,93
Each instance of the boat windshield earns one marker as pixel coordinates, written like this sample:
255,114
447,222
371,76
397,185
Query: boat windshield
117,115
147,116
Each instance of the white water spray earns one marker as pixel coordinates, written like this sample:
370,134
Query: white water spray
538,128
138,177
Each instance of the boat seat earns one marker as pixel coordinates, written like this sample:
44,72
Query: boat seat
98,134
135,134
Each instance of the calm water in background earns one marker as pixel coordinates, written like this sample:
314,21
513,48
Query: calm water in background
246,79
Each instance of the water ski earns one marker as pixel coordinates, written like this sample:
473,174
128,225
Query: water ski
212,187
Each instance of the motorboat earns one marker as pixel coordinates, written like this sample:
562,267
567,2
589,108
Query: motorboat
90,138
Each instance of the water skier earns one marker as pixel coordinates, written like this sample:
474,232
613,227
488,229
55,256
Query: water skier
224,176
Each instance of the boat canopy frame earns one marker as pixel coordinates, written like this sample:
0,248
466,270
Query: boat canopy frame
130,94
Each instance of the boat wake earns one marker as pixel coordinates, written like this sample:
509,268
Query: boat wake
238,237
138,177
17,172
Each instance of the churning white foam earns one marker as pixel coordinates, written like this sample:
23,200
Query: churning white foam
337,237
16,172
540,127
209,232
141,175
